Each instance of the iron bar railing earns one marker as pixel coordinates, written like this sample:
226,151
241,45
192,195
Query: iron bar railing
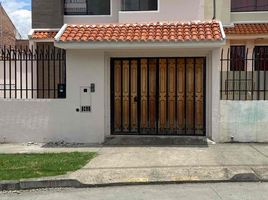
243,73
28,73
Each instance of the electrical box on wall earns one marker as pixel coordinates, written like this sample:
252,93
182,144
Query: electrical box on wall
85,99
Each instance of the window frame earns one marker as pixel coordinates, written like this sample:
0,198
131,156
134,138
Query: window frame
243,9
123,10
87,11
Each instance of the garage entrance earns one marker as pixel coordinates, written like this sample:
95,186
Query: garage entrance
158,96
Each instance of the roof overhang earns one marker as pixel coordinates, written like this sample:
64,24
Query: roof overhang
176,44
31,35
138,45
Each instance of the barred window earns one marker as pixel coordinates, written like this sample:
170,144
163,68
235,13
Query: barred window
237,58
261,58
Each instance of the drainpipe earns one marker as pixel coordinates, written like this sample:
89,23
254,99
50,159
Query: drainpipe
214,9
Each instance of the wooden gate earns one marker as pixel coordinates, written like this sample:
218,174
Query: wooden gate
158,96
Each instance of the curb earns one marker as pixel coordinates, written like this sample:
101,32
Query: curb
72,183
39,184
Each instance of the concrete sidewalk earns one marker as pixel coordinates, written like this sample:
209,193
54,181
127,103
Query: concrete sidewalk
133,165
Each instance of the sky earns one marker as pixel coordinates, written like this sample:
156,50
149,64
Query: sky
20,13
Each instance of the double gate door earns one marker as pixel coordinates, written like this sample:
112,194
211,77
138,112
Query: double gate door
158,96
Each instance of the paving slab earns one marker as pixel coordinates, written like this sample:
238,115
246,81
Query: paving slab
261,148
213,155
163,175
145,165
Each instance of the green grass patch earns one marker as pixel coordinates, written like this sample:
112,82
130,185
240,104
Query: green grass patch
22,166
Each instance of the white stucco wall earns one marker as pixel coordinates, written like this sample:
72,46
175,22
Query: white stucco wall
52,120
57,119
168,10
245,121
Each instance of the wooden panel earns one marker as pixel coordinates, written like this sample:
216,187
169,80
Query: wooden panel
190,93
134,94
181,93
180,88
162,93
117,95
144,87
152,93
125,95
199,67
171,92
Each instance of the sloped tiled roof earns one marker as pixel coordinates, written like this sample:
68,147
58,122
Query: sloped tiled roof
253,28
150,32
44,35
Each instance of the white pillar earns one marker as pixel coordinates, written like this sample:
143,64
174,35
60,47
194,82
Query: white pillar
215,95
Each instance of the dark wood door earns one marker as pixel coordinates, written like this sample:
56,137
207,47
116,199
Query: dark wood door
158,96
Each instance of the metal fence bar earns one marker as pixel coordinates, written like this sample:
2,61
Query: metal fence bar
20,56
15,56
32,73
4,55
27,72
246,67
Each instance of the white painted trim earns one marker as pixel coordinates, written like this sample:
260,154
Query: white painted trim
137,45
61,31
222,30
253,12
46,29
242,37
250,22
30,33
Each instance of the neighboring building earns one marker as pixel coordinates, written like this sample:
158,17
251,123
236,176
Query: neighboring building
8,32
147,67
22,43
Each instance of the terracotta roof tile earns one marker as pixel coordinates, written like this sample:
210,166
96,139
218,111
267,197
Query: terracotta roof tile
151,32
254,28
43,35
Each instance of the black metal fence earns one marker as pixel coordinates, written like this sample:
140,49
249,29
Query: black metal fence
244,73
32,73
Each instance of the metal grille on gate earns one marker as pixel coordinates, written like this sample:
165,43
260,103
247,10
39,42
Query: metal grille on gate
158,96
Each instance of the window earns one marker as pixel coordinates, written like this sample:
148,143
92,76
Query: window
249,5
139,5
237,58
261,58
87,7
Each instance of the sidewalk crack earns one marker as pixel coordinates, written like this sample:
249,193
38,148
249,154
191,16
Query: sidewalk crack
258,151
215,191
